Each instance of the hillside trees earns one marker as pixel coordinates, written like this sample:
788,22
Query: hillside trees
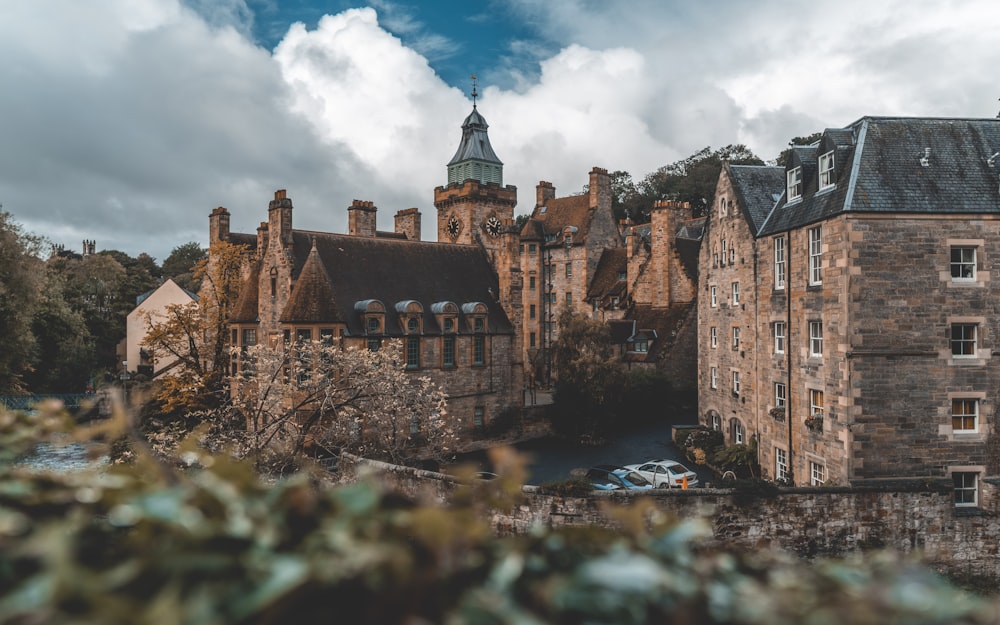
181,264
320,395
21,272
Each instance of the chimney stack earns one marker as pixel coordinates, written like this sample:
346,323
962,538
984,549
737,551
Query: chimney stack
408,223
361,219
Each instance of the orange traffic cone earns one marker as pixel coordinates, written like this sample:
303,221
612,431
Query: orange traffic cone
684,483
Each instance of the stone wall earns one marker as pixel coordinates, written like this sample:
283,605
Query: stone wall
915,518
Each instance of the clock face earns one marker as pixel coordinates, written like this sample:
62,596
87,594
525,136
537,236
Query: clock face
493,226
454,226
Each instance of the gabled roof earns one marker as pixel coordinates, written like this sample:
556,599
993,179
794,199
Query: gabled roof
647,322
245,310
900,165
607,281
312,299
549,220
758,188
396,270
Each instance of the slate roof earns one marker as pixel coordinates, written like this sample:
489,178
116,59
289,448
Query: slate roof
312,299
758,188
395,270
881,171
475,144
647,321
607,280
246,310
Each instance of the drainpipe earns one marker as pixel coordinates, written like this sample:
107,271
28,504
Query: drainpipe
788,349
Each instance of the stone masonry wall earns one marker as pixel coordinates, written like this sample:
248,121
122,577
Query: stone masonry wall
916,519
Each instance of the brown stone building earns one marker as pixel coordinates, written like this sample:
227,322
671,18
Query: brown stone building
867,314
457,316
561,245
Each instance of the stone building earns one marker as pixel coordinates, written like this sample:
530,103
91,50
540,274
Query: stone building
561,246
867,316
457,315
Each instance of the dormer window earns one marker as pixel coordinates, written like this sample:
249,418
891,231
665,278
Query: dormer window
373,326
449,325
794,179
826,179
478,324
411,314
372,314
412,325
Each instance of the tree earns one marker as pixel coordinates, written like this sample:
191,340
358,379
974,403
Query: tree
196,335
589,378
66,350
21,272
319,395
782,159
181,264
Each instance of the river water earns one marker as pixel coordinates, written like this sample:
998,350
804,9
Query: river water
61,457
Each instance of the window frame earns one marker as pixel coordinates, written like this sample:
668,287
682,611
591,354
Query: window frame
736,338
713,381
780,463
963,263
793,183
960,482
713,335
817,473
737,386
827,163
780,395
817,403
449,351
412,352
963,342
816,256
736,293
779,263
815,339
779,337
714,296
965,416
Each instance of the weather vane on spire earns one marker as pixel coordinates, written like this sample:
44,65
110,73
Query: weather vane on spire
475,94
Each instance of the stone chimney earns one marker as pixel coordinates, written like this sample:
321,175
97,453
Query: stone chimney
600,189
279,218
543,193
262,239
408,223
361,219
218,225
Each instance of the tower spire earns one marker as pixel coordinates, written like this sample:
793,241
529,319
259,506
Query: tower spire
475,93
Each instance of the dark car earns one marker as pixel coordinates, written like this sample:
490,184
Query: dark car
612,477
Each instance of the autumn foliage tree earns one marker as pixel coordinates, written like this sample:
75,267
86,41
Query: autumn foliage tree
195,335
314,396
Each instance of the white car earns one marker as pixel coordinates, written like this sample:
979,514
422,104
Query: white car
665,473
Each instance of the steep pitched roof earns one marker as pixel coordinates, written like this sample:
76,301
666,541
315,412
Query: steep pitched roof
758,189
245,310
607,281
660,325
312,299
884,171
475,143
397,270
549,220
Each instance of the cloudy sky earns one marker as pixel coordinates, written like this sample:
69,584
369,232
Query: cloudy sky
128,121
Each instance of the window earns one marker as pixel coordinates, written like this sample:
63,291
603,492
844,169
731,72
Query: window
963,340
531,283
716,421
964,415
736,337
966,488
714,381
479,350
614,303
723,251
815,403
641,346
963,263
449,325
412,325
249,337
531,248
826,179
736,383
478,417
732,255
531,311
794,183
531,340
478,324
623,275
817,473
815,256
372,325
736,431
736,293
780,464
779,263
448,351
722,207
714,335
303,335
715,296
569,298
413,352
778,329
815,339
569,270
374,344
780,395
552,298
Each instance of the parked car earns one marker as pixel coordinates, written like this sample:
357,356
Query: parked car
612,477
665,473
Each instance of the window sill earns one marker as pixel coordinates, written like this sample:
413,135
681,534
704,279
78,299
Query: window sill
969,511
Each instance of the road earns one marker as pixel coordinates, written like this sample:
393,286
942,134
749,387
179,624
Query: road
551,460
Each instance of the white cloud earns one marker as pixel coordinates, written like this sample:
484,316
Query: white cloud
127,121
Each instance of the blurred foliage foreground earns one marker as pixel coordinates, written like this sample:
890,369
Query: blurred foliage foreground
211,543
